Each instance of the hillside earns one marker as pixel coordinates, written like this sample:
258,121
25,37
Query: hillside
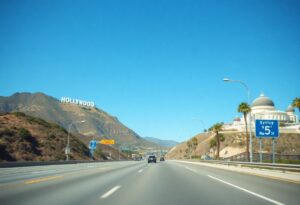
180,151
98,124
234,143
164,143
25,138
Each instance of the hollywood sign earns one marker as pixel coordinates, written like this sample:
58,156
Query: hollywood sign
77,102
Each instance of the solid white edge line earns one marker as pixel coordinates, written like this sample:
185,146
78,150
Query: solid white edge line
245,190
110,192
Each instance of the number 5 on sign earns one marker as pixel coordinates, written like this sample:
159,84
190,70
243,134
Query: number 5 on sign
267,130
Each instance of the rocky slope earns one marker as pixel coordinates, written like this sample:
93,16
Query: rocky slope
26,138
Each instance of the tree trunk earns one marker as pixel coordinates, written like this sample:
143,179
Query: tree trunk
218,145
247,138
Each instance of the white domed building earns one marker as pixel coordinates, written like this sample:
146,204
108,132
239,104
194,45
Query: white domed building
263,108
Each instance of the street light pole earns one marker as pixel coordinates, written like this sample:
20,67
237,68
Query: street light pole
68,150
119,152
250,117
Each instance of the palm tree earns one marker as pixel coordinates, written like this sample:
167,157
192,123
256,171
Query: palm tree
245,109
216,128
296,103
189,148
194,142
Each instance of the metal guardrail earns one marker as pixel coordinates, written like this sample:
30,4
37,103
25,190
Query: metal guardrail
276,166
242,157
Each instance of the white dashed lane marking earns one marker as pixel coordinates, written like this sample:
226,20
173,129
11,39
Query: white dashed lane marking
110,192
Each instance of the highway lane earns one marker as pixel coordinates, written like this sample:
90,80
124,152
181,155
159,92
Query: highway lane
16,174
278,190
139,183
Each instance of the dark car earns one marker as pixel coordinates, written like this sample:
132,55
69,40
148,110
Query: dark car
162,159
151,159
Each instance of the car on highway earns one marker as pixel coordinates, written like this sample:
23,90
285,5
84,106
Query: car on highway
152,159
162,159
206,157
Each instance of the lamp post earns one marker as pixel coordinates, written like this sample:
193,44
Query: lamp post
119,145
68,150
119,151
250,117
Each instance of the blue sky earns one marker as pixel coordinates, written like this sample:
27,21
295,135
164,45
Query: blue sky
156,65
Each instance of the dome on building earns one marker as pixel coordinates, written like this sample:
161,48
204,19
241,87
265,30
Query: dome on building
290,108
262,100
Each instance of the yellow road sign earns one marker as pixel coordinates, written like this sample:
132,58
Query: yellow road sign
107,142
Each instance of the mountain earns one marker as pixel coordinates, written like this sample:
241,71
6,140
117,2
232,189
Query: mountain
164,143
98,124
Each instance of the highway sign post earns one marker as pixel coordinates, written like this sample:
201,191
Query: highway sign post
92,147
107,141
67,150
266,129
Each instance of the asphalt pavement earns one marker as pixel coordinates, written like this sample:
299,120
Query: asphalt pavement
139,183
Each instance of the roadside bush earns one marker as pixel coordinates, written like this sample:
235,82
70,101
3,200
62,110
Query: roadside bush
98,152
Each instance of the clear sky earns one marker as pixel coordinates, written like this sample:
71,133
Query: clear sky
156,65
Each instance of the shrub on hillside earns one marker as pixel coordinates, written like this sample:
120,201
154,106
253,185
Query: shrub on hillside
19,114
212,143
4,154
24,134
38,121
222,138
6,132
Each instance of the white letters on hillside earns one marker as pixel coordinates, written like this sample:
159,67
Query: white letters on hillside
77,102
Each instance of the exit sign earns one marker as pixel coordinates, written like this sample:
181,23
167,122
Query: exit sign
266,128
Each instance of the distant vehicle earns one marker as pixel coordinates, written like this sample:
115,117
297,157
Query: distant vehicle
162,159
205,157
152,159
138,158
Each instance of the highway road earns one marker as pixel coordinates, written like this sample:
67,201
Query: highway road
139,183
